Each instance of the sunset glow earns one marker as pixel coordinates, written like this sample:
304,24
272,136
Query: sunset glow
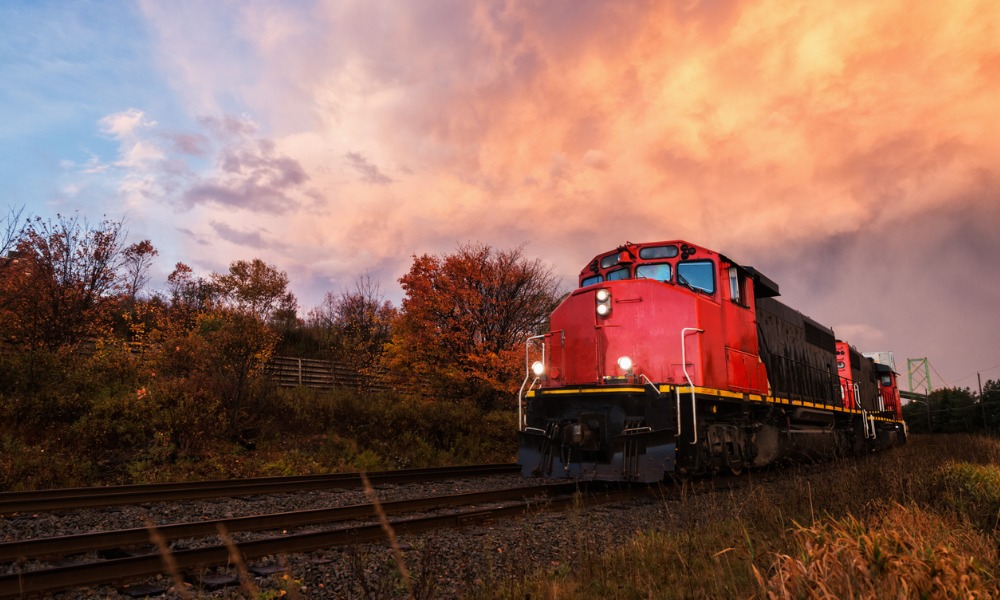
849,151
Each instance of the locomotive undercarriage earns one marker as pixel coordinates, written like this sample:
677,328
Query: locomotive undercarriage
635,437
735,435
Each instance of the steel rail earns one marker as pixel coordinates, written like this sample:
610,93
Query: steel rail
102,540
123,569
113,489
47,500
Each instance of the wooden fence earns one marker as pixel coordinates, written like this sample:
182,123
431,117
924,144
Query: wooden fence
289,371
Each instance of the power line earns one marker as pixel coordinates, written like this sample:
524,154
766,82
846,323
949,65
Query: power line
979,372
946,384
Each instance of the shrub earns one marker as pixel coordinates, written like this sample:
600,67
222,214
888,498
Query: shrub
908,552
26,466
969,491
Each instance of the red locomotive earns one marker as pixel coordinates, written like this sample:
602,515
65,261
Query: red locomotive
670,357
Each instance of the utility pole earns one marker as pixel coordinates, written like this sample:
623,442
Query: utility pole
982,404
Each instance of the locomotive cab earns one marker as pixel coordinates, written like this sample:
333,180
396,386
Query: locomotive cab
858,383
665,312
889,389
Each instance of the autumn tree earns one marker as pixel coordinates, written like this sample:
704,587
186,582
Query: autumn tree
137,260
66,279
250,295
237,348
11,232
256,288
355,325
466,315
188,296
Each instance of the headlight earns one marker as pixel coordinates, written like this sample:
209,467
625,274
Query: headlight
603,298
537,368
625,363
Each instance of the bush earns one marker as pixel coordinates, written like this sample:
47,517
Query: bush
970,491
908,552
37,466
405,431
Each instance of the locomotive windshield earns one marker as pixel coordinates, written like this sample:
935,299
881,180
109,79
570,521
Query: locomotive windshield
697,275
618,274
657,271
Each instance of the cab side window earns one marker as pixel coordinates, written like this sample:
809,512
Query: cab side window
738,287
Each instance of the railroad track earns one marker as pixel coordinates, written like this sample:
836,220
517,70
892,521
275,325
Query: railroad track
71,498
513,502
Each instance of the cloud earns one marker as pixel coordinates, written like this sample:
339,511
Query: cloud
793,134
369,172
863,333
258,239
135,153
199,239
194,144
126,124
249,174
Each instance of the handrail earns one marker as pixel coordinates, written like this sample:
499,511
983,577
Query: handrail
649,383
527,376
677,394
694,411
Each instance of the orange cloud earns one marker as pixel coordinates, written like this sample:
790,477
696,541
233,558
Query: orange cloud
577,125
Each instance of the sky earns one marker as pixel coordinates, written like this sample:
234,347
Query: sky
850,151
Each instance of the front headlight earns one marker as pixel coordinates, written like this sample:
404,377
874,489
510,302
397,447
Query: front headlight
625,363
537,368
603,298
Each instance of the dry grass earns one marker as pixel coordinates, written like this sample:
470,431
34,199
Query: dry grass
915,522
969,491
908,552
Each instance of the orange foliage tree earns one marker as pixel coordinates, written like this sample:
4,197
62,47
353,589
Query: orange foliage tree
218,336
465,317
62,281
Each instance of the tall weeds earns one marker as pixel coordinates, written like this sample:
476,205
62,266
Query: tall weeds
915,522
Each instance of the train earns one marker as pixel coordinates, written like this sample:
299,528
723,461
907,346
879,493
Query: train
673,360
